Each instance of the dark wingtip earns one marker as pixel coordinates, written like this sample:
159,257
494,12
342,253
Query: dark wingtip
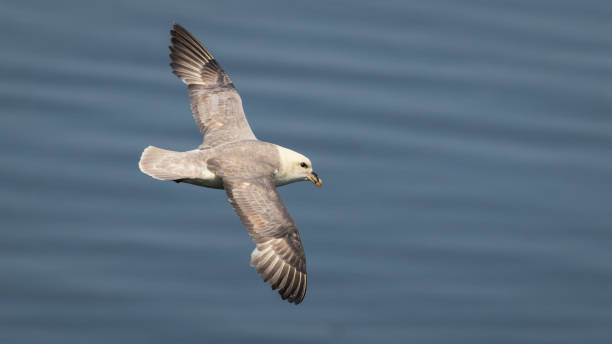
291,298
176,27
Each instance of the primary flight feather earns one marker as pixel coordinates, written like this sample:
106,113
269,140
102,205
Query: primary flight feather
232,158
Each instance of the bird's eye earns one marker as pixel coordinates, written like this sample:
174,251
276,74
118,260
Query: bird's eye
303,164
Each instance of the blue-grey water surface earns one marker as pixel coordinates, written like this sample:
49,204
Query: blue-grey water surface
465,148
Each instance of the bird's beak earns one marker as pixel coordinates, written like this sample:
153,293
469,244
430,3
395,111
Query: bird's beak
315,179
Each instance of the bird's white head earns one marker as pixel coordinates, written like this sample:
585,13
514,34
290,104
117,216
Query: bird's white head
294,167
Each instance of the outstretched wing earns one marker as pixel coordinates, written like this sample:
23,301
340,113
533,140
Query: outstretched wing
215,103
279,256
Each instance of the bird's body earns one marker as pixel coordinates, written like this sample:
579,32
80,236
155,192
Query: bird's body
205,167
233,159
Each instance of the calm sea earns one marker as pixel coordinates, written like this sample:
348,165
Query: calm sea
465,146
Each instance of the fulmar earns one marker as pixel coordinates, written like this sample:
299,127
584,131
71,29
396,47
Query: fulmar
232,158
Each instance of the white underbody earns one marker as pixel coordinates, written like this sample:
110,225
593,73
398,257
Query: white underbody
289,171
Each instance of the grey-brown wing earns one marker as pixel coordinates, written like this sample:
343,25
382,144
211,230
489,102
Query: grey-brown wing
279,256
215,103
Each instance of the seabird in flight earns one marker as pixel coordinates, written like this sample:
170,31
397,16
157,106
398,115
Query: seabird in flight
232,158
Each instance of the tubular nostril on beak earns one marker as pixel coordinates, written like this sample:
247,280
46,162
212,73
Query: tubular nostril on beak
314,178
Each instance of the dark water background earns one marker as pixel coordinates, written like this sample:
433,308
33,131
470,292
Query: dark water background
466,149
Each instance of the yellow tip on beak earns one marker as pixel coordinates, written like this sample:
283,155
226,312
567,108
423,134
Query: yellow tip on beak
313,177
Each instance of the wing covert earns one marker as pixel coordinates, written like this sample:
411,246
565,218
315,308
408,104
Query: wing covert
279,256
215,102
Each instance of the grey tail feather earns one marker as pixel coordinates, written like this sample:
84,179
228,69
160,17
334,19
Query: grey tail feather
192,63
153,162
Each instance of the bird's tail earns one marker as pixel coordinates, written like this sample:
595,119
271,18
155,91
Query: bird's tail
158,163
